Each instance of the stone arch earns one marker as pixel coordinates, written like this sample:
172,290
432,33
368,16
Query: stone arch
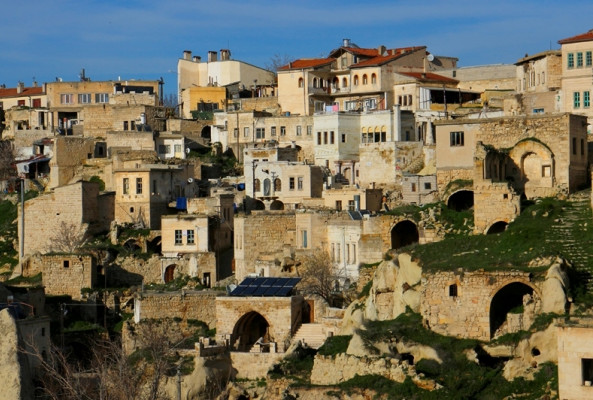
336,82
344,82
497,227
403,234
169,273
248,329
534,165
277,185
301,84
277,205
206,132
461,200
259,205
506,298
267,187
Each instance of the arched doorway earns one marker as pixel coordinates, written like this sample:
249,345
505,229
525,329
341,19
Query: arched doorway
248,330
169,274
404,233
507,299
277,205
461,200
206,133
259,205
497,227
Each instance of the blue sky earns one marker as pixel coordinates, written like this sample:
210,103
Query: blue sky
142,39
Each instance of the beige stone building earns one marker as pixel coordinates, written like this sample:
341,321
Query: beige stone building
350,78
79,207
92,108
539,83
216,72
577,61
25,110
575,359
69,274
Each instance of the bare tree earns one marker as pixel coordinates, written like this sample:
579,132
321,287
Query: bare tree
7,160
277,61
69,237
319,275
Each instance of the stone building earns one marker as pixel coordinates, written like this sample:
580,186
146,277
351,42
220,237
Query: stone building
539,83
68,274
575,359
69,153
78,206
25,111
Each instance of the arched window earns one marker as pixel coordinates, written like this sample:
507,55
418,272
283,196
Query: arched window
355,80
257,186
345,82
314,82
365,79
374,79
301,82
277,185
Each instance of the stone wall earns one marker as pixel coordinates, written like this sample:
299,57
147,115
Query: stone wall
332,370
283,315
129,140
185,305
68,154
494,202
465,310
68,274
575,344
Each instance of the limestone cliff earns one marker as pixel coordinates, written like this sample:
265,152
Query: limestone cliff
17,384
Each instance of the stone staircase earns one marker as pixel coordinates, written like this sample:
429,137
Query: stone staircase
310,334
568,232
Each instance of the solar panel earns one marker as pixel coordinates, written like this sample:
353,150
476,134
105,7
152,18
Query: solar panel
266,286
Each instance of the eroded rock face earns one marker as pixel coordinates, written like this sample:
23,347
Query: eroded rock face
14,386
555,287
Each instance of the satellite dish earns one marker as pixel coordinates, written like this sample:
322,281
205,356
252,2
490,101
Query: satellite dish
430,57
190,180
187,150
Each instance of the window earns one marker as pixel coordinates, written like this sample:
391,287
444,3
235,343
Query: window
538,110
178,237
365,79
84,98
246,131
301,84
101,97
586,99
413,187
177,148
138,185
125,125
456,138
427,186
348,253
344,82
304,239
338,252
587,371
277,184
318,137
579,60
373,79
273,131
324,137
338,205
20,103
191,239
291,183
260,133
576,99
371,104
350,105
298,130
126,185
453,290
309,130
66,98
331,137
570,61
36,103
343,138
257,185
588,59
355,80
235,132
351,205
300,183
282,131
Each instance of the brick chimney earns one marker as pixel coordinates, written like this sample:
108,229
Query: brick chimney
212,56
20,87
187,55
225,54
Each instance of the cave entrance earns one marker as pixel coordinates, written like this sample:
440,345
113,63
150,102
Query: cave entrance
461,200
508,300
497,227
248,330
403,234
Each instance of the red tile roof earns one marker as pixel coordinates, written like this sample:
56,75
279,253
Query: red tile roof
12,92
392,54
362,52
429,77
307,63
583,37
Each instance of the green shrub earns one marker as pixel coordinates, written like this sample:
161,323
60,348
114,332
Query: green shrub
334,345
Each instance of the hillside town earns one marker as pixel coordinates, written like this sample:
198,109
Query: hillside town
382,214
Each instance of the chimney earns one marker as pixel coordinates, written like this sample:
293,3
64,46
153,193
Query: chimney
212,56
345,42
20,87
35,84
225,54
381,49
197,59
187,55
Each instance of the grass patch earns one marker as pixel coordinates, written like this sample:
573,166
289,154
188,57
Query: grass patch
335,345
366,290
